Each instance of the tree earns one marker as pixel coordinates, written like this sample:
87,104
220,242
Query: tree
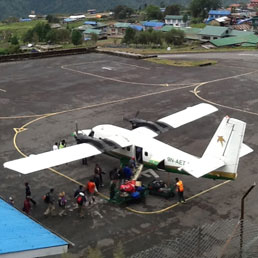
175,37
52,19
94,253
153,12
51,36
119,251
14,40
122,12
200,8
173,9
129,35
76,37
94,37
185,18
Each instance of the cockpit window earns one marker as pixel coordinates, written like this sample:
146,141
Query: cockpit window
91,133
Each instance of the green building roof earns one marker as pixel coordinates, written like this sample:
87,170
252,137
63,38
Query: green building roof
240,33
214,31
174,17
238,40
89,31
167,28
122,25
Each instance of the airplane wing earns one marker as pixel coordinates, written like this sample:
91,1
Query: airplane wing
188,115
52,158
153,129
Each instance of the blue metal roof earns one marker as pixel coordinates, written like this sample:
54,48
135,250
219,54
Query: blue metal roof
219,12
243,21
20,233
69,20
90,23
136,27
153,24
25,19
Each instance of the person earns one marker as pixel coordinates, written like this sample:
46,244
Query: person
180,190
26,205
62,202
96,180
62,144
127,173
55,146
28,193
91,188
112,189
50,200
11,201
80,199
76,193
132,163
98,172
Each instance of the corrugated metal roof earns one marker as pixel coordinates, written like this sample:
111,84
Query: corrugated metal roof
241,33
90,23
167,28
136,27
174,17
20,233
122,25
89,31
251,39
214,31
153,24
219,12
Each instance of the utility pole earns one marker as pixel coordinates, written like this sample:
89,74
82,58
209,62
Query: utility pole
242,218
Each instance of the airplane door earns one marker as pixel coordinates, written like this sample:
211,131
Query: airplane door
161,165
138,154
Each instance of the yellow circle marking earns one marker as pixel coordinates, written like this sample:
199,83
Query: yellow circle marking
117,101
176,204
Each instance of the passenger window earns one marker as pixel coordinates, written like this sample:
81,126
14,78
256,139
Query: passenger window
128,148
146,153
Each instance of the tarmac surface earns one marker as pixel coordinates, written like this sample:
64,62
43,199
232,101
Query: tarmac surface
42,99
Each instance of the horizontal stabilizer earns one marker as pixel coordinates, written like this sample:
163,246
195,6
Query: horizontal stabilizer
202,166
245,149
188,115
52,158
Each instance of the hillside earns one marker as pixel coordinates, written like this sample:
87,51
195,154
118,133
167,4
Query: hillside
21,8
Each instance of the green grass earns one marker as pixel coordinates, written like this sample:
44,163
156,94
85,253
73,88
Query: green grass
198,25
178,50
19,28
184,63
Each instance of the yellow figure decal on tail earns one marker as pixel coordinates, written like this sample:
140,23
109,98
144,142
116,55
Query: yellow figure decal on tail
221,140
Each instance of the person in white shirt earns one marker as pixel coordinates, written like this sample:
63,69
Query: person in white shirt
55,146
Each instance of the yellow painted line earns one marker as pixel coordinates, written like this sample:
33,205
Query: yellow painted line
19,130
176,204
117,80
99,104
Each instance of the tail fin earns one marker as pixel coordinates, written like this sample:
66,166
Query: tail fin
226,144
221,157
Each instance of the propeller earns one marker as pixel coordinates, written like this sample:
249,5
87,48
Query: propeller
131,119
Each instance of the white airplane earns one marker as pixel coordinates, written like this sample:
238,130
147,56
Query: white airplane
219,161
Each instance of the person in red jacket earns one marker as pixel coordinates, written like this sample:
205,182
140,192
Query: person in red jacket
91,188
27,206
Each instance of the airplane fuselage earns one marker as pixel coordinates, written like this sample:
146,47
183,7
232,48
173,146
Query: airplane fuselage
149,151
